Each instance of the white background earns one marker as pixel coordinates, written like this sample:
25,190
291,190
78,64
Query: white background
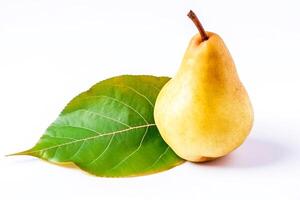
52,50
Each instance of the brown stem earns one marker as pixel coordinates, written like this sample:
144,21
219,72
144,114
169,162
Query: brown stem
198,24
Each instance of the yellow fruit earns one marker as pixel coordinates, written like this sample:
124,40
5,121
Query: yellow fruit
204,112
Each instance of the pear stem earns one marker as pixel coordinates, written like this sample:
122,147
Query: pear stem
198,24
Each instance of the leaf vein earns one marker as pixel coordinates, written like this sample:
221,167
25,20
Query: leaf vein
137,92
80,127
161,155
121,102
127,157
77,150
92,137
109,143
101,115
52,136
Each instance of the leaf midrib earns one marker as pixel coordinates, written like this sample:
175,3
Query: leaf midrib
92,137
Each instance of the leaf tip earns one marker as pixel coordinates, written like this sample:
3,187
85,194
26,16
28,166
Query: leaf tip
21,153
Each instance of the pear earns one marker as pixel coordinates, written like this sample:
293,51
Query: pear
204,111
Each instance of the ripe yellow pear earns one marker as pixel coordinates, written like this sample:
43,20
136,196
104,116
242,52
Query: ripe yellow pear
204,112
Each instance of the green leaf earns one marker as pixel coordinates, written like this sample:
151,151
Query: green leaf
109,130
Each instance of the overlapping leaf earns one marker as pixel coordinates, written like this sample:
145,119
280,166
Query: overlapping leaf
109,130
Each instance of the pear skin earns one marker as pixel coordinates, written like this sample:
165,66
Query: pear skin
204,111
